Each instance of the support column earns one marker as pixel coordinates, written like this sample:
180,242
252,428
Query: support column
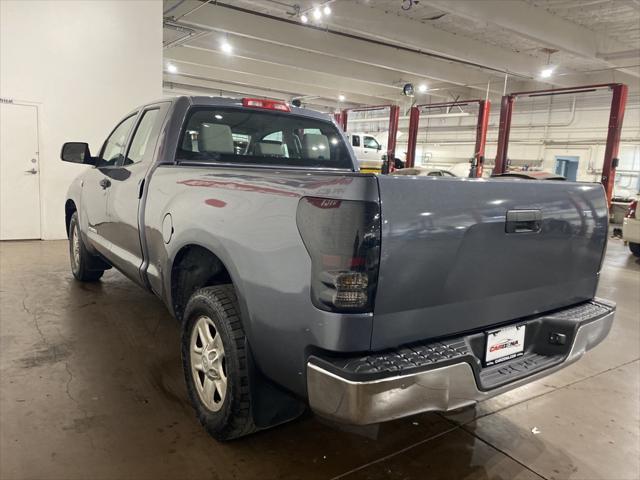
484,108
344,116
506,110
394,118
618,103
412,140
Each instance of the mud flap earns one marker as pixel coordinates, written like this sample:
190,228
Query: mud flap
271,405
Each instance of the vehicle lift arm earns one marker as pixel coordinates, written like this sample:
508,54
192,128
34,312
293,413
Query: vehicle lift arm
477,162
616,115
394,117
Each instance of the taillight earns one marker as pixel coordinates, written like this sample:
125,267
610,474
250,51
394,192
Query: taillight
267,104
343,241
631,211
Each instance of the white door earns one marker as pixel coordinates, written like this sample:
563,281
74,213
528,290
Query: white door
19,172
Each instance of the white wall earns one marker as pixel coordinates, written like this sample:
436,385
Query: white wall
84,64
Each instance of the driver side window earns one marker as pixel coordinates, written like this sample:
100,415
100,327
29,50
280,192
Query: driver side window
113,149
370,142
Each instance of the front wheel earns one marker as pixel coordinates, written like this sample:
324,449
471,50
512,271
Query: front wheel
81,259
215,363
635,248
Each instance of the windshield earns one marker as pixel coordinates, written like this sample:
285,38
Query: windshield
261,137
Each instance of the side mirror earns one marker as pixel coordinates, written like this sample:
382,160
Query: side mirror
379,147
77,152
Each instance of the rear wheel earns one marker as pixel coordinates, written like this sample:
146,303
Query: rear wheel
215,363
81,259
635,248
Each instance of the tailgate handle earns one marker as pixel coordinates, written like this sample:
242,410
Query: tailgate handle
523,221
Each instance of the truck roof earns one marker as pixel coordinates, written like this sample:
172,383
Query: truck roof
202,100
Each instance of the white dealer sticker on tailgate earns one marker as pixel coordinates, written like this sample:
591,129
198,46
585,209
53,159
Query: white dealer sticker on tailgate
504,344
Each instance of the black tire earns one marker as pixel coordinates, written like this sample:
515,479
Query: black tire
233,418
635,248
83,265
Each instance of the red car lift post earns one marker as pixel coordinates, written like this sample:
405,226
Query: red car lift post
616,115
484,107
394,117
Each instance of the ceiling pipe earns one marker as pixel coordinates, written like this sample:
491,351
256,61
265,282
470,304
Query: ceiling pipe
190,33
368,40
204,2
171,9
567,123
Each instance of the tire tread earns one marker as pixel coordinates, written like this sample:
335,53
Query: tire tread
84,274
223,299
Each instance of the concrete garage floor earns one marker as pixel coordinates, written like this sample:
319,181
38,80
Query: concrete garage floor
91,387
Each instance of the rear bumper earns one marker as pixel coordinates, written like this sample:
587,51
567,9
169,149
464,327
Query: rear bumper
448,387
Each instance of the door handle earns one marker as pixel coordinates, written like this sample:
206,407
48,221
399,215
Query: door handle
523,221
105,183
33,171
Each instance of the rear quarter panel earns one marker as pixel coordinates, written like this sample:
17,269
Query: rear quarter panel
246,216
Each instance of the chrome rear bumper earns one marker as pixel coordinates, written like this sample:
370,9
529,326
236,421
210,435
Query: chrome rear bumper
438,389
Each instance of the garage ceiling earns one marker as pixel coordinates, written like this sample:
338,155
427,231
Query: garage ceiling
366,50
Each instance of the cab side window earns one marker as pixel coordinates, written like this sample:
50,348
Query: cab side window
113,149
370,142
141,138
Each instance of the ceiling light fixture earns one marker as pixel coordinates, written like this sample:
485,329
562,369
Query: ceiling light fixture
226,47
548,69
422,88
171,68
341,98
315,12
547,72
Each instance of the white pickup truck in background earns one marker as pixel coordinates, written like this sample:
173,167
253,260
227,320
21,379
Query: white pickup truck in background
631,227
368,150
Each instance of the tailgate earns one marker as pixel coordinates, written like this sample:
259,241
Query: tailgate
465,254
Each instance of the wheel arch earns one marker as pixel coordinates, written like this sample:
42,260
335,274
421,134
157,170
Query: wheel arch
69,209
195,266
271,403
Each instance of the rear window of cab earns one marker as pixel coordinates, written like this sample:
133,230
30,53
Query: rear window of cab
261,137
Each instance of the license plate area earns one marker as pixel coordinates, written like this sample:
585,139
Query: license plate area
504,344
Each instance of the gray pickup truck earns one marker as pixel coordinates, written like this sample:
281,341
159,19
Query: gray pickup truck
300,281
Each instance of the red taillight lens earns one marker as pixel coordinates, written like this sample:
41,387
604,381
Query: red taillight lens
267,104
631,211
343,241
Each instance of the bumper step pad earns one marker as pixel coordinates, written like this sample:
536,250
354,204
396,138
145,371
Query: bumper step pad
406,359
